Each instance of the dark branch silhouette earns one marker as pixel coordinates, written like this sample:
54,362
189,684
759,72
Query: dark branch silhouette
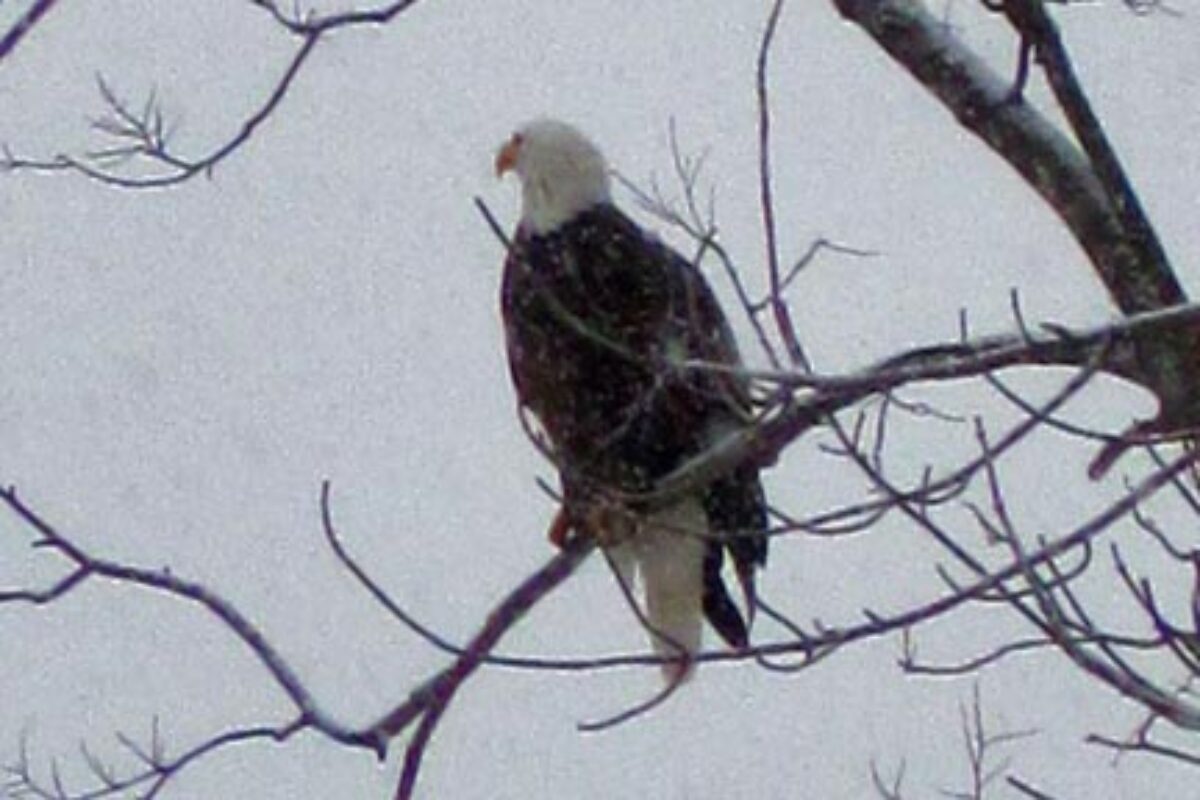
23,26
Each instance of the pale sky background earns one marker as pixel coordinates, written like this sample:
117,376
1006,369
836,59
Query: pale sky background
181,369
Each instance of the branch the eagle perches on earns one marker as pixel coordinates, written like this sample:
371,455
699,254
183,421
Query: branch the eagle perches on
809,400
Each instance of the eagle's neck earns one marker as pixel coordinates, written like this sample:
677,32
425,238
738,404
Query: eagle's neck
549,201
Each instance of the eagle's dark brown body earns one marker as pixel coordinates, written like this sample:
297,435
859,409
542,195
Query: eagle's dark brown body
595,312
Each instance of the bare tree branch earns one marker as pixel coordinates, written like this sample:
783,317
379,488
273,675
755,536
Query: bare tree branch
1086,188
779,309
1033,22
430,701
1027,789
37,9
157,770
425,705
86,566
140,136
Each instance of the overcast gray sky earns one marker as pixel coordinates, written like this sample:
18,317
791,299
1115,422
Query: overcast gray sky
181,369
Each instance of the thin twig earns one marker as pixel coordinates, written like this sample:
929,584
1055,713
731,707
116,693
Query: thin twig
779,308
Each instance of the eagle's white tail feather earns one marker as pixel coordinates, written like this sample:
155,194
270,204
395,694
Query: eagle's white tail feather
670,562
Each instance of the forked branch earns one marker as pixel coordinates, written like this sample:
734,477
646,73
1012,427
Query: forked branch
140,155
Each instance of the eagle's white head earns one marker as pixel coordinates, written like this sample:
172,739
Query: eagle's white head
562,173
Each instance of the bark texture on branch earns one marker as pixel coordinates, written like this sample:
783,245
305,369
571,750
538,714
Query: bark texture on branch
1078,175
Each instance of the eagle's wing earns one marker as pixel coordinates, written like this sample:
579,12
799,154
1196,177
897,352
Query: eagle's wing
735,503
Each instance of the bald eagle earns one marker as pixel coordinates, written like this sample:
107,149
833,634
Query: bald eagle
600,317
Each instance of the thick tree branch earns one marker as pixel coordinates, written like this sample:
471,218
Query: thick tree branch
1066,177
1086,188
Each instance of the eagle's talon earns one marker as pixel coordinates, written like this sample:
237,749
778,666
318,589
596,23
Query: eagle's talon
560,529
611,522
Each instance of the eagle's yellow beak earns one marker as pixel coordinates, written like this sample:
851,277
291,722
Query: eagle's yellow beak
506,159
